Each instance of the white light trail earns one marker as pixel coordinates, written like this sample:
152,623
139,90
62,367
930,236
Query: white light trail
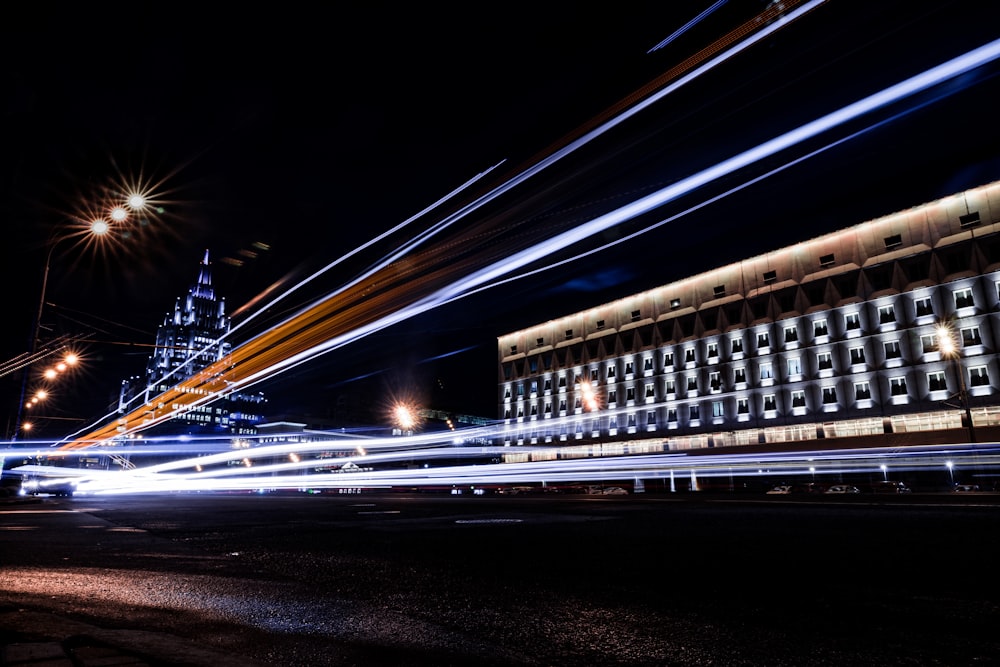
687,26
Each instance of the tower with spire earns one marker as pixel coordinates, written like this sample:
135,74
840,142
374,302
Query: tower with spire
191,338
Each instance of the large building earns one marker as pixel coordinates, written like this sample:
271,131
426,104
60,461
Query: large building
882,333
191,338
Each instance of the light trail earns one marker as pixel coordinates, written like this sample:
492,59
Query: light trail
687,26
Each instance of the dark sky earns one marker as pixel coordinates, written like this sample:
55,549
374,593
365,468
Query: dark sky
311,131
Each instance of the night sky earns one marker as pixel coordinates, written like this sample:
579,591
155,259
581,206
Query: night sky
279,141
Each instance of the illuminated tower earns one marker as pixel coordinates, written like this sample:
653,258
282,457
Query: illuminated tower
191,338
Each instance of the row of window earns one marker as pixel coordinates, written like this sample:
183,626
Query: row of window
886,314
936,382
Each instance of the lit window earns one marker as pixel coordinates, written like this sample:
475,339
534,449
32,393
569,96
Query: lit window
794,366
923,307
886,314
715,381
928,343
862,391
936,381
766,371
963,298
852,321
717,409
970,336
978,376
857,355
819,328
829,395
798,399
891,349
770,402
824,361
897,386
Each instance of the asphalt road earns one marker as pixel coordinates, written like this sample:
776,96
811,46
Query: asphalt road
528,580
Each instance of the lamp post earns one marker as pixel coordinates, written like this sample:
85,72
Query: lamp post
949,350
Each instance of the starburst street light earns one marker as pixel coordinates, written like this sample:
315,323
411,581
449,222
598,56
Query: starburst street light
948,346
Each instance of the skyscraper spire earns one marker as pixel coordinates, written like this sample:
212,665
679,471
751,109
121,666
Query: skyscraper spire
204,286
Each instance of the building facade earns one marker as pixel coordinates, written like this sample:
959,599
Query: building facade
191,338
881,333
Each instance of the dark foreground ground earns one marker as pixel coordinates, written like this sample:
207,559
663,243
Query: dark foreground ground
439,580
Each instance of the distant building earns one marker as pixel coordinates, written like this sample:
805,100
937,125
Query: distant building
191,338
836,339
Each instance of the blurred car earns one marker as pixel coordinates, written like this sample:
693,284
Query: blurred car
966,488
890,487
843,488
614,491
780,490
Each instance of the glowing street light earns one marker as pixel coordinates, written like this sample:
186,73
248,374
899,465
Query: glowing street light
405,418
951,473
948,346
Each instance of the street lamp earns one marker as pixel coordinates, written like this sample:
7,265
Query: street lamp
949,350
951,473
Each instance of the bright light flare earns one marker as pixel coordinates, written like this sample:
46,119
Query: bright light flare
946,340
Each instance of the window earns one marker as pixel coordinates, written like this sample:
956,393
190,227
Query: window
630,394
928,343
692,383
534,387
862,391
513,349
713,350
824,361
737,345
647,364
672,415
852,321
668,359
671,389
970,219
826,260
675,303
893,241
595,378
717,409
600,324
693,413
798,399
819,328
719,291
742,406
791,334
612,396
569,334
829,395
548,385
766,371
562,405
630,421
936,381
923,306
629,368
650,390
635,315
534,411
978,376
891,349
651,418
770,402
963,298
886,314
715,382
689,355
794,366
539,342
740,376
970,336
763,340
897,386
612,370
770,277
857,355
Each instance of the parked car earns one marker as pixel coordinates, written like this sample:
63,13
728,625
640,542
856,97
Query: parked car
614,491
780,490
966,488
890,487
843,488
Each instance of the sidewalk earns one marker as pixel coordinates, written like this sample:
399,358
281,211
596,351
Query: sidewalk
34,639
